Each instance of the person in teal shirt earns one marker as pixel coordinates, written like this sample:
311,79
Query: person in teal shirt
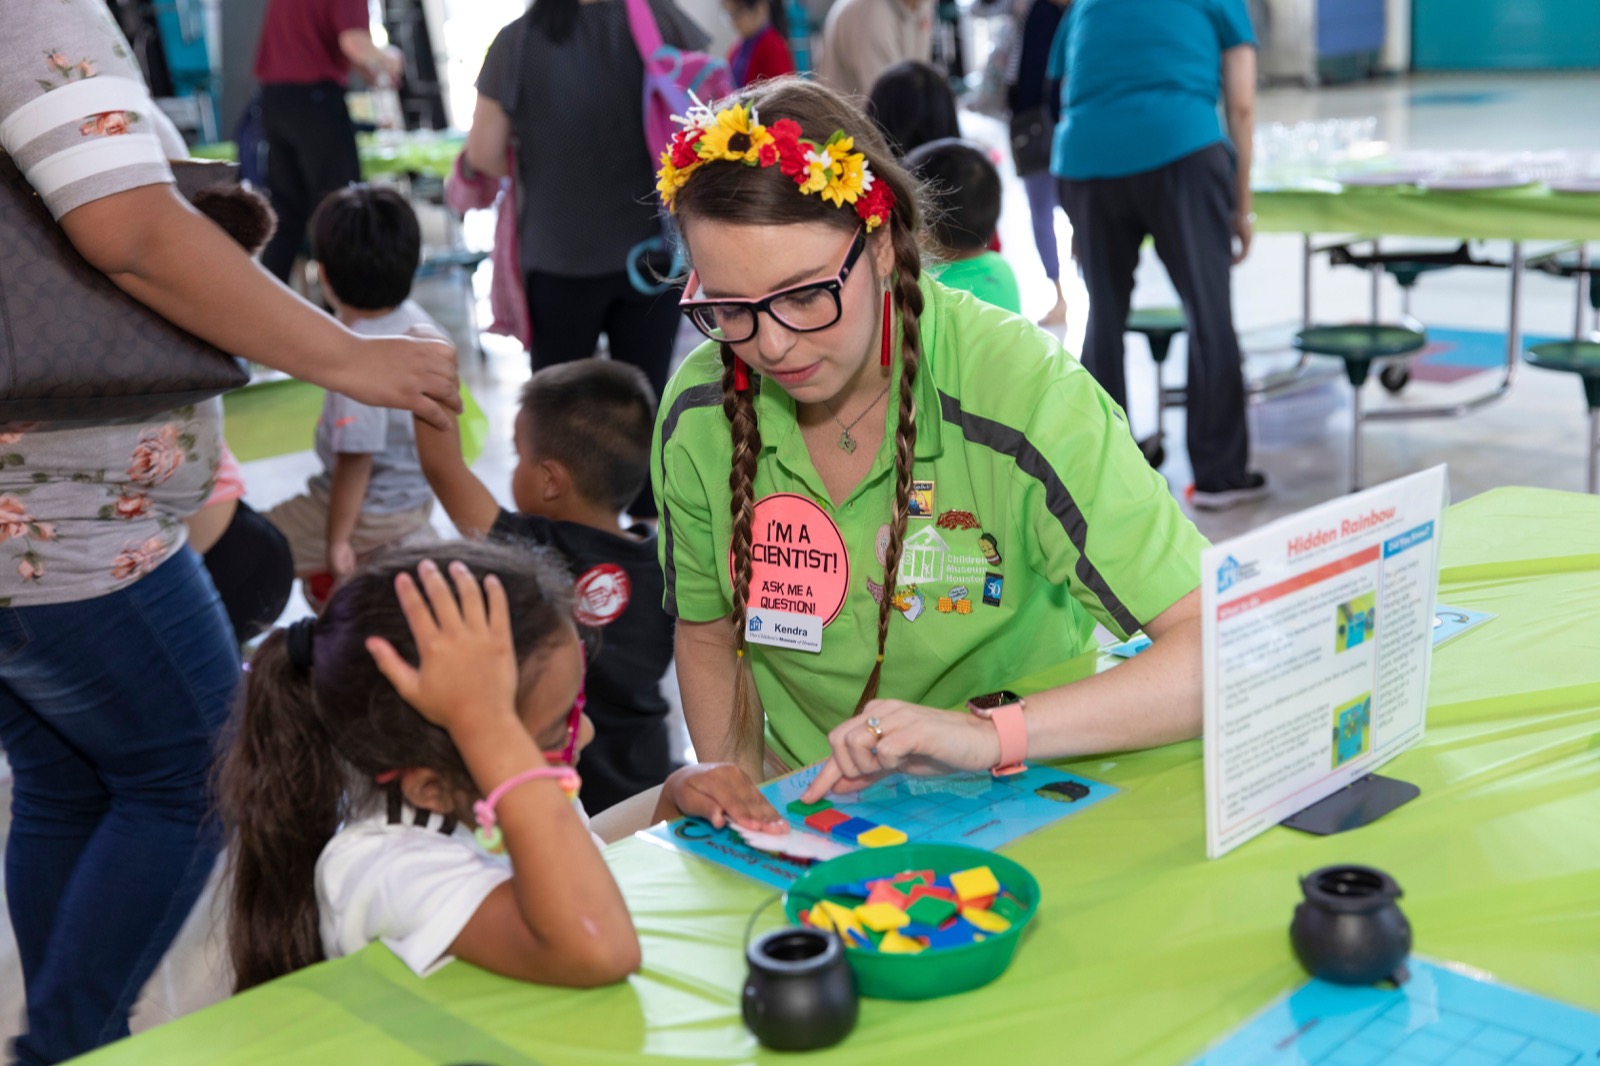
964,188
1141,153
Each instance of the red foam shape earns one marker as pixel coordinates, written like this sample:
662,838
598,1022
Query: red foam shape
823,821
937,893
884,892
983,903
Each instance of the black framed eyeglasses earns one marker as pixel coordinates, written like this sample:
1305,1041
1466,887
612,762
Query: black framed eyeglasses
801,308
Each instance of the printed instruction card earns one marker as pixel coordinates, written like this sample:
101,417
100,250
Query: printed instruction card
1317,640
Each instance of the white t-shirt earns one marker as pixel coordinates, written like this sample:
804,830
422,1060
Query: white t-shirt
413,881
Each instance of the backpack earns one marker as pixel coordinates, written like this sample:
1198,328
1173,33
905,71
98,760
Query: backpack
670,76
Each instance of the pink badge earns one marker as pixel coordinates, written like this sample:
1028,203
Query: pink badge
601,594
798,561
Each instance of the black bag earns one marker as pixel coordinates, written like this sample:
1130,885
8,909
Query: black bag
1031,134
73,346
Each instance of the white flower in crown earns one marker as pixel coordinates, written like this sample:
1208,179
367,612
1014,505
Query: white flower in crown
819,165
700,116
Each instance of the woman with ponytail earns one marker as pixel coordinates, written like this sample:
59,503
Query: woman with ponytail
880,497
430,806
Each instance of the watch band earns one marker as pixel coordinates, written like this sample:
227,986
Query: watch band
1013,732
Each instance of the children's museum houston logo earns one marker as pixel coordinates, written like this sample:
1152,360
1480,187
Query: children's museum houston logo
755,624
1232,571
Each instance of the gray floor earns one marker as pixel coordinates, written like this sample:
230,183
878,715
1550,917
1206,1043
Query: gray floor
1533,437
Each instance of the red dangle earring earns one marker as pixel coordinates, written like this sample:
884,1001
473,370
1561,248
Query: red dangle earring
888,324
741,375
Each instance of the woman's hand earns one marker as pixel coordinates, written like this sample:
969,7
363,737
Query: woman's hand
468,666
415,373
722,793
910,739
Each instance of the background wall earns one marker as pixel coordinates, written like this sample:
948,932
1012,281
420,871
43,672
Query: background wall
1505,34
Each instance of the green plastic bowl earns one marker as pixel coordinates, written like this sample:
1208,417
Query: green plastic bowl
937,972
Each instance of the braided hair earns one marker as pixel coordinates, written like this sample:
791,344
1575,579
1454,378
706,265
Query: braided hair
764,196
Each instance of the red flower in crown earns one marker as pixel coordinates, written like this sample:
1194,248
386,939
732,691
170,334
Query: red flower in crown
683,150
875,205
791,155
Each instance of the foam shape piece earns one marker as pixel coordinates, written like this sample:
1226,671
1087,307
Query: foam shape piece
1007,907
924,877
855,890
921,891
842,919
884,892
983,903
804,809
818,917
851,828
881,916
824,821
883,836
930,910
988,921
974,883
943,881
955,935
895,944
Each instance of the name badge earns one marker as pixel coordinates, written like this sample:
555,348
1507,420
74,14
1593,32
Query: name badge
799,573
781,629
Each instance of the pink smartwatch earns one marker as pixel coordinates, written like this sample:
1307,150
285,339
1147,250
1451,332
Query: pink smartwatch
1004,709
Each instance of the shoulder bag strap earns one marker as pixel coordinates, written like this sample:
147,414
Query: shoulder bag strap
646,34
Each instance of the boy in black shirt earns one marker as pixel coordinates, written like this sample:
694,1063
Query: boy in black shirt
583,454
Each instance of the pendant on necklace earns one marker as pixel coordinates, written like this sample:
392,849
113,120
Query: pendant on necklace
847,443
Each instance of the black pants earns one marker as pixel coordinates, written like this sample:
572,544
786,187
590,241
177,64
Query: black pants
254,572
568,314
311,151
1187,206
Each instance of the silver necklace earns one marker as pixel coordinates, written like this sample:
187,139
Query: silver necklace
847,443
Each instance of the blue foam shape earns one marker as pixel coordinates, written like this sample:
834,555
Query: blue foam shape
956,934
854,888
851,828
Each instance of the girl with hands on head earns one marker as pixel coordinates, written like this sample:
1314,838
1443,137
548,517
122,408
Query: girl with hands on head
429,700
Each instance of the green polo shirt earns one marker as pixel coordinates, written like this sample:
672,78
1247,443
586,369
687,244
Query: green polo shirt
1042,518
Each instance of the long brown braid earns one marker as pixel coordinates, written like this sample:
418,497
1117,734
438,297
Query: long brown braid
764,196
743,730
908,299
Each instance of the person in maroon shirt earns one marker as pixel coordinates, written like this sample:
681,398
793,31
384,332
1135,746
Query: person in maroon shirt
762,50
303,64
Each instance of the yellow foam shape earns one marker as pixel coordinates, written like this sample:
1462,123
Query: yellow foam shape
882,917
816,917
895,944
840,918
881,836
974,883
988,921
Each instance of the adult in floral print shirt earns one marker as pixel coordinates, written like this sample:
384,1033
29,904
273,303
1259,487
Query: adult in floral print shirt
116,662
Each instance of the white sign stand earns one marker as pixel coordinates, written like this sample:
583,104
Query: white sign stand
1317,642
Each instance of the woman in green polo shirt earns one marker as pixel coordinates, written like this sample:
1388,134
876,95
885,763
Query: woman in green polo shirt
871,485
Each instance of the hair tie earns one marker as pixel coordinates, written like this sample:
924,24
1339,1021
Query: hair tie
880,659
298,640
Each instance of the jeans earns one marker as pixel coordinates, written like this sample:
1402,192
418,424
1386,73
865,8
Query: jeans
1041,189
109,709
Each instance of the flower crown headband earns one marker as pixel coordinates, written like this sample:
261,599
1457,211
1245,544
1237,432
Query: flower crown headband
736,134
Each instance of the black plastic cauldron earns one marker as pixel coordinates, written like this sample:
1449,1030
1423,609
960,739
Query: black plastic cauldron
1349,930
801,992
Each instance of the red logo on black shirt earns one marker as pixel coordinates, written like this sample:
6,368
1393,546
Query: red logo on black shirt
602,594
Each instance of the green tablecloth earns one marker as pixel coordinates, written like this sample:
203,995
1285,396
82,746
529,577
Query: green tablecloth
1531,213
420,152
1143,951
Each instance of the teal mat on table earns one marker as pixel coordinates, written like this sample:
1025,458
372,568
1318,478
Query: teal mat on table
1453,354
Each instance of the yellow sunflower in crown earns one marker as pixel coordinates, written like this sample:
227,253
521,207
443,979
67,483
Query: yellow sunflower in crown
737,136
846,179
